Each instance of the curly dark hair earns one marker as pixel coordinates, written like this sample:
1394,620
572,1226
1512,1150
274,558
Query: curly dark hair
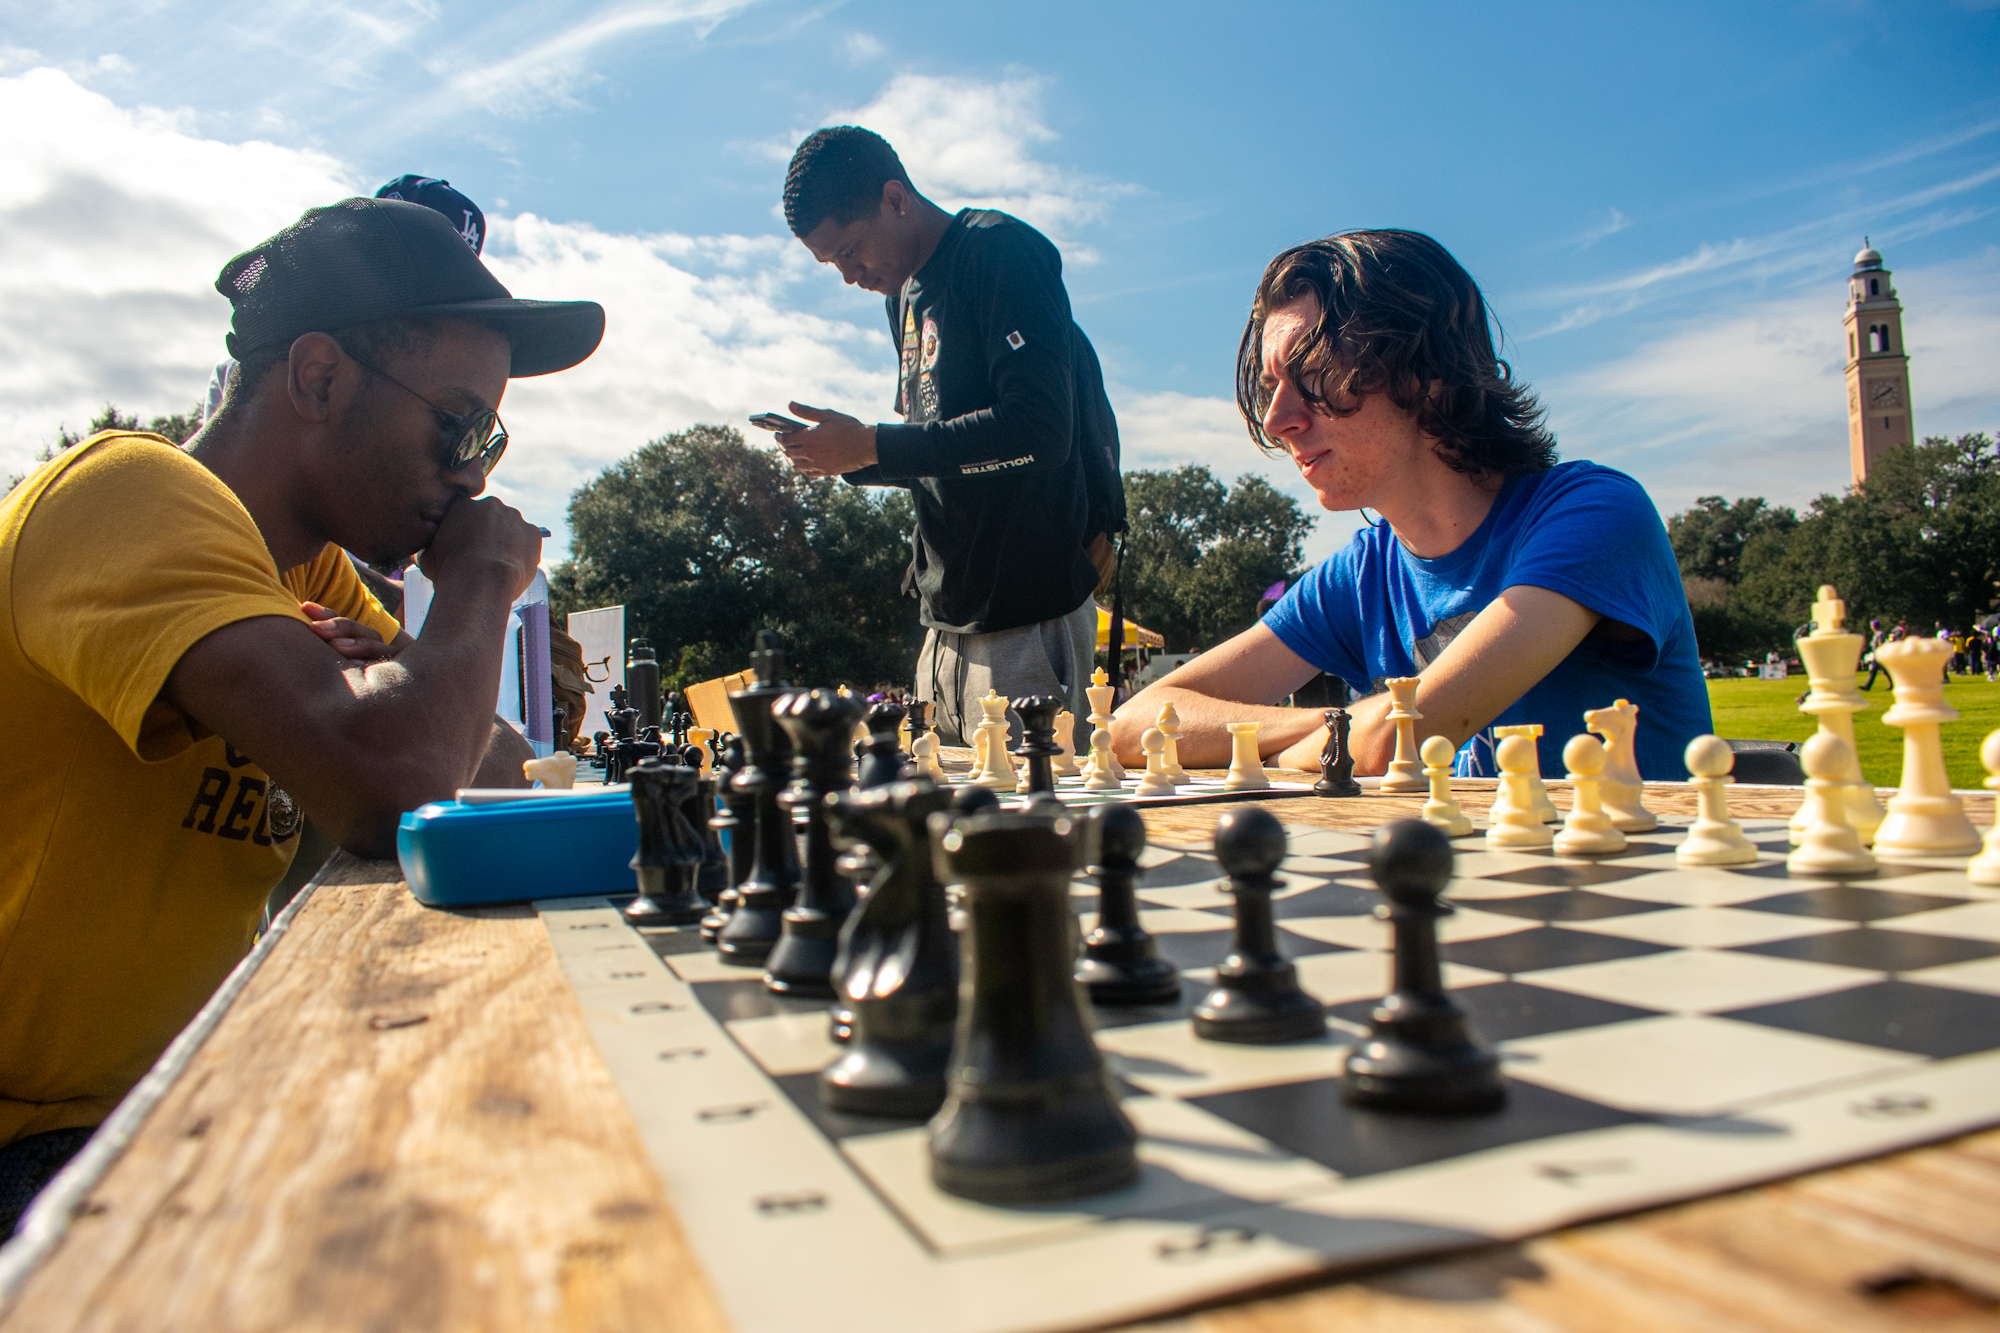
1398,315
838,173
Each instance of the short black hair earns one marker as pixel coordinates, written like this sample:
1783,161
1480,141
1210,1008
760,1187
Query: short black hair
1398,315
838,173
377,342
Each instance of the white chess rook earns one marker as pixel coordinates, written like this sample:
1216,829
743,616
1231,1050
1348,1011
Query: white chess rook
1518,825
1156,782
1715,839
1442,810
1831,655
1405,775
1545,809
1925,818
1588,831
1830,846
1985,867
1623,792
1246,766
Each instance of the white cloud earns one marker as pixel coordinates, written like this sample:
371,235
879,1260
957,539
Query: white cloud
1614,222
862,47
1754,401
970,143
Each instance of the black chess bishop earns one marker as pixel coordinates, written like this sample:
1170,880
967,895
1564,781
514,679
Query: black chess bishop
1420,1053
1257,998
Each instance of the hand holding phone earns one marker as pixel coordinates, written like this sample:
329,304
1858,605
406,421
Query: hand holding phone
773,421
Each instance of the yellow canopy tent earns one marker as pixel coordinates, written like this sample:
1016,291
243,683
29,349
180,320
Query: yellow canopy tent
1136,635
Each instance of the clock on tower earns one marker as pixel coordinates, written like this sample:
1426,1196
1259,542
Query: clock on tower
1878,367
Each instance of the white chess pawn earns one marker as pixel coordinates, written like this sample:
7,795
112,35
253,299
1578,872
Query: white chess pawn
1156,782
1715,839
1518,825
923,752
1623,790
1925,818
1103,766
1170,726
1831,846
1588,831
557,772
1246,766
1442,809
1404,775
702,736
1545,809
1064,764
1985,867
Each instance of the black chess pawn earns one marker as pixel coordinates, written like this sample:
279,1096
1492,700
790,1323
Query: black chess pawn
669,852
1038,737
1336,761
1257,998
1121,964
739,820
1030,1114
819,723
897,971
761,899
882,757
1420,1053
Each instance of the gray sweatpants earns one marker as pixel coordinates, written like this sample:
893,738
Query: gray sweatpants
954,671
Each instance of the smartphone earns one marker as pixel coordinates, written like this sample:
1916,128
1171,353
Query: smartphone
773,421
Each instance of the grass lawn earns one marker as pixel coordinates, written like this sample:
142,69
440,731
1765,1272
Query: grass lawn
1763,710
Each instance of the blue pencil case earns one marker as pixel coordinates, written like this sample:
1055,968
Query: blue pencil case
462,855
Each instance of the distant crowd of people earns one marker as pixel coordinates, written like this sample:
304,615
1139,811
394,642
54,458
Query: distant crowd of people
1973,650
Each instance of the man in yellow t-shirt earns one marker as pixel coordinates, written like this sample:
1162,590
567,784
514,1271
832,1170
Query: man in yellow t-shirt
188,660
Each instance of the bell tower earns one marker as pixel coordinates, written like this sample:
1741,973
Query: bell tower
1878,366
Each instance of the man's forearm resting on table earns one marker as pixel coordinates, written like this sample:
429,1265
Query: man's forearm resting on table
1507,648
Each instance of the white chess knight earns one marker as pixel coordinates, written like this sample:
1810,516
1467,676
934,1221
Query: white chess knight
1715,839
1442,809
1156,782
1100,692
1169,724
1925,818
1246,765
1404,775
557,771
1830,846
1623,792
1545,809
1985,867
1588,831
1830,655
1517,826
1064,764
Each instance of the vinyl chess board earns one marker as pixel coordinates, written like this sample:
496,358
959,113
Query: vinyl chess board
1202,787
1666,1032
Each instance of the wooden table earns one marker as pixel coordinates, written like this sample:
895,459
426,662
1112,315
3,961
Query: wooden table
399,1121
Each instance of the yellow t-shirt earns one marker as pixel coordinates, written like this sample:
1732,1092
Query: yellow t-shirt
136,851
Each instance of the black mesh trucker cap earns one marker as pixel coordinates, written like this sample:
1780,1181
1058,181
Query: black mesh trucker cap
368,259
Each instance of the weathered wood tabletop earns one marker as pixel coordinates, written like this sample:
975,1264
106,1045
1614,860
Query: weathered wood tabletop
400,1122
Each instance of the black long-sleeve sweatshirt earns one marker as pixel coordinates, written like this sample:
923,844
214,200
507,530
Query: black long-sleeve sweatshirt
1008,447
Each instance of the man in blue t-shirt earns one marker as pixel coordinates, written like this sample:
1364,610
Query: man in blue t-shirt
1519,589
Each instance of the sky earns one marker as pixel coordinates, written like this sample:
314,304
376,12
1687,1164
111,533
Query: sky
1661,202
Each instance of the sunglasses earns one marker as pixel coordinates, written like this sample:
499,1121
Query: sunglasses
473,437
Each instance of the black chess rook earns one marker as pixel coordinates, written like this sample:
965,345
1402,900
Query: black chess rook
1030,1114
1257,998
669,854
1121,963
819,723
896,976
761,899
1420,1053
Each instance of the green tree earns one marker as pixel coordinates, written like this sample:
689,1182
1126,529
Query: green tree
1709,539
705,539
179,428
1199,553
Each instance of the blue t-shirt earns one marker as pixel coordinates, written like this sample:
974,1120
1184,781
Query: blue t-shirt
1373,610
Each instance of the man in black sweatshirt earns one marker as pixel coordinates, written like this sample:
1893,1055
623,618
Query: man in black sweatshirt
1008,445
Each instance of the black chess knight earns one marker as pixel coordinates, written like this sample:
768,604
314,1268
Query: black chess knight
1420,1054
1336,761
670,847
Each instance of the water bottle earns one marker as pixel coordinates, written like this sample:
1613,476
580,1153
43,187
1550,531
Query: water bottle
529,629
